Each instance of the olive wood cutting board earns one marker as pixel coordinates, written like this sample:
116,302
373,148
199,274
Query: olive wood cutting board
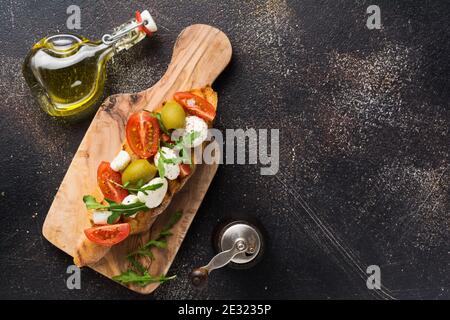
200,54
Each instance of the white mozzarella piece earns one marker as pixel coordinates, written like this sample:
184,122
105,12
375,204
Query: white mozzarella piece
100,217
196,124
121,161
171,170
153,198
130,199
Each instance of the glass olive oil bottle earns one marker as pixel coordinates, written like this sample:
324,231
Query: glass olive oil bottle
66,73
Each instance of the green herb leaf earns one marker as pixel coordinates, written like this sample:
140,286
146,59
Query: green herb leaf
140,275
183,145
136,264
109,201
137,189
189,139
113,217
131,209
142,252
92,204
162,244
117,209
167,144
161,124
161,169
145,250
186,156
151,187
130,276
173,220
163,278
165,234
139,184
160,241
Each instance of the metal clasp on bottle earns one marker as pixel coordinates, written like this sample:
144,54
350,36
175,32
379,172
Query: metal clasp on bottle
110,39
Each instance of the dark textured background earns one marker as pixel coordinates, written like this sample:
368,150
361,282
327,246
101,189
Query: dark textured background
364,118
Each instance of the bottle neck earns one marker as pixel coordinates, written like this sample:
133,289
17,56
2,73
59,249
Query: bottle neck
124,37
128,41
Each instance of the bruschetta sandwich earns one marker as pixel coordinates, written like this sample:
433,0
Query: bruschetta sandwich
154,163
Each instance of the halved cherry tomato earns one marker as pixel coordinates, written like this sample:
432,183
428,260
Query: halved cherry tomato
142,28
108,235
185,170
196,105
109,189
143,134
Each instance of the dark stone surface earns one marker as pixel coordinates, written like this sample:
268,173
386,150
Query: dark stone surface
364,118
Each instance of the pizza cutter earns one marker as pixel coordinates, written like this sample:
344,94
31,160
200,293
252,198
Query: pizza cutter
240,245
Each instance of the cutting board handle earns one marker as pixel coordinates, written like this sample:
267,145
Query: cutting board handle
200,54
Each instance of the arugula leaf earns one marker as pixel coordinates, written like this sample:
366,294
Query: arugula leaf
167,144
113,217
189,139
173,220
186,141
109,201
92,204
184,154
172,161
145,250
140,275
161,241
162,244
183,145
139,184
151,187
136,264
161,124
164,278
161,169
165,234
137,189
141,252
130,276
117,209
131,209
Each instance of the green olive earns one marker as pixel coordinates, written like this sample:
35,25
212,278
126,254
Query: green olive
138,172
173,115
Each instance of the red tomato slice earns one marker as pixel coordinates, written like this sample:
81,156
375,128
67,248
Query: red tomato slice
143,134
109,189
196,105
108,235
185,170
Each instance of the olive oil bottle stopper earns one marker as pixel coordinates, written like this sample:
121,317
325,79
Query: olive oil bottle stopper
66,73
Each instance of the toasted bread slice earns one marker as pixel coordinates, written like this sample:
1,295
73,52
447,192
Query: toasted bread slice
89,253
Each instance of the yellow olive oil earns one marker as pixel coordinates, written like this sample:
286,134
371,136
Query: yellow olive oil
66,73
